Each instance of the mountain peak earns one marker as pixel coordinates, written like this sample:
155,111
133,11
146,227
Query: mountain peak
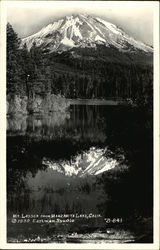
82,30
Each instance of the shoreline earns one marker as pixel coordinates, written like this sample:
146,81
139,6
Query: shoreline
18,105
109,102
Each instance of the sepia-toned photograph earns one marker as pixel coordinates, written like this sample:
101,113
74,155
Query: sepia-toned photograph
80,122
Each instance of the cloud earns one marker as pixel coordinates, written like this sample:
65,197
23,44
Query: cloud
136,18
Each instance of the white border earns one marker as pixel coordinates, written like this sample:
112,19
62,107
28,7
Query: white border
3,244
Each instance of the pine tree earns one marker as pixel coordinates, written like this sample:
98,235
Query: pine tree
25,61
13,67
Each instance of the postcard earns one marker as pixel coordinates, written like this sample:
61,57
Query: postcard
79,137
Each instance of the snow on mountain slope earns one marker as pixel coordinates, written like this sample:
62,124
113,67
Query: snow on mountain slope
91,162
83,31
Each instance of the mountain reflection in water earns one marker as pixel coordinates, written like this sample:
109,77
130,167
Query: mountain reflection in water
89,160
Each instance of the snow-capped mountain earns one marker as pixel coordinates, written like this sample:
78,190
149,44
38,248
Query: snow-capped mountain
83,31
91,162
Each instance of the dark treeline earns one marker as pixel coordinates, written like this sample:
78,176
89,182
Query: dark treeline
73,76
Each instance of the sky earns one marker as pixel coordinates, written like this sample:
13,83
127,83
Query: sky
135,17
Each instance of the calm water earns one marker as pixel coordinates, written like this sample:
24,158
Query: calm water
81,176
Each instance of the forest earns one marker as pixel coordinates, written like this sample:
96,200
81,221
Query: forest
79,73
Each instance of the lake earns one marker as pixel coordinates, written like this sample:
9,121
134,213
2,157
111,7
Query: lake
85,175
